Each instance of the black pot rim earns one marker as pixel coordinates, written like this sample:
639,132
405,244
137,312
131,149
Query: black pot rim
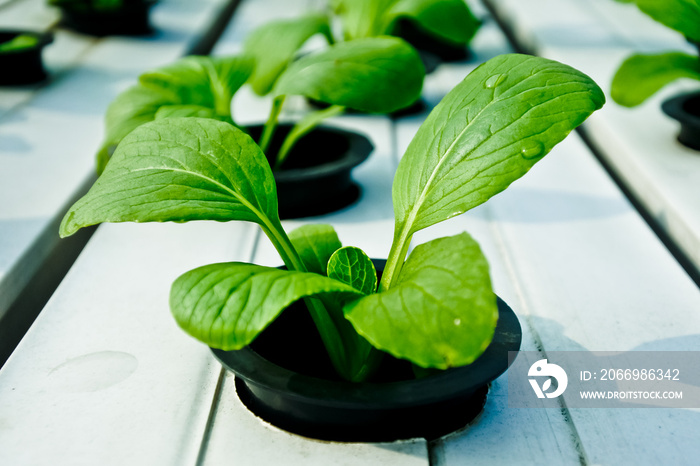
358,151
256,370
129,19
45,38
673,107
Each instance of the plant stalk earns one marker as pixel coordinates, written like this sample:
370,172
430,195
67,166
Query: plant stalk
222,98
303,127
330,334
397,256
283,245
271,123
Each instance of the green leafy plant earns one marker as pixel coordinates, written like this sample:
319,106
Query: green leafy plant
275,45
449,21
641,75
434,306
192,86
379,74
19,42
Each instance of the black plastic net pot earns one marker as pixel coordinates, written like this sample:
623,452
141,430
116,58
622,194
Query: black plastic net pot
23,65
685,108
315,179
129,19
286,378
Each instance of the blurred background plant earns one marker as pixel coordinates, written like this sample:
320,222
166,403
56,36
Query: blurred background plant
641,75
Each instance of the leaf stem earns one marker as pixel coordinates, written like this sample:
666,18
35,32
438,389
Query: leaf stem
330,335
281,242
271,123
303,127
222,99
397,256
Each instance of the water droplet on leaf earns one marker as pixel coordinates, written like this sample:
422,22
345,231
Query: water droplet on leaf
494,81
532,150
457,321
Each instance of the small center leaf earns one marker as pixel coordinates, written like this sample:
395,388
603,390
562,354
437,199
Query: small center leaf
352,266
315,245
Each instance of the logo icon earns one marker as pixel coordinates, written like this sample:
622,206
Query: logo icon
543,368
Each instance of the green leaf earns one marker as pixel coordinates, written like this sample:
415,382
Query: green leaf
185,111
315,244
640,76
448,20
227,305
486,133
363,18
442,311
352,266
206,81
201,81
181,169
680,15
229,74
379,74
183,81
274,45
129,110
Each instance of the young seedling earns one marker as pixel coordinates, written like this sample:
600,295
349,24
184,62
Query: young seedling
275,45
435,307
448,21
379,75
641,75
192,86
